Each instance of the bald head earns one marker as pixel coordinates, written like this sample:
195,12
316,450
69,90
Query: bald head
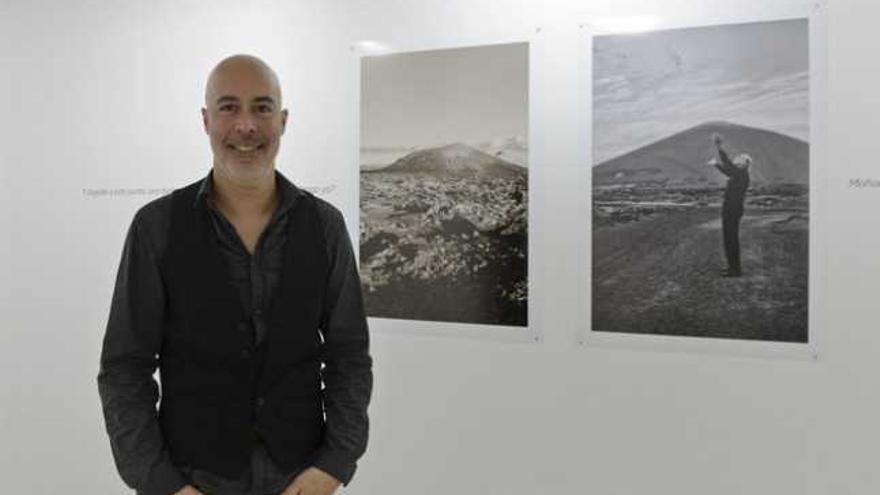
238,67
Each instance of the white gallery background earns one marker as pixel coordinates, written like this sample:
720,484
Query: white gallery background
106,95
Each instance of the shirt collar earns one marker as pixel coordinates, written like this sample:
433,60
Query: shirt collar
288,192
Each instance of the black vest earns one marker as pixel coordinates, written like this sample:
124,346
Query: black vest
218,391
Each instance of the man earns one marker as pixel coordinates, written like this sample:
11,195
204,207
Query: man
737,172
243,290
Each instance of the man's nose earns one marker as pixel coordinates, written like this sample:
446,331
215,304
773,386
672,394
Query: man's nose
245,124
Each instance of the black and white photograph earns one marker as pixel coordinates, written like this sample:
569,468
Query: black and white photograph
701,182
444,185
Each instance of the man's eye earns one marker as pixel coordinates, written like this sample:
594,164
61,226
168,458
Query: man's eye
226,108
264,108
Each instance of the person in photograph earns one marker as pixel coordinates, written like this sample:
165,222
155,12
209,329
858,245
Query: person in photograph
737,172
243,290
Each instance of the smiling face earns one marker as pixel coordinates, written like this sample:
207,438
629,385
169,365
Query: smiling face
243,118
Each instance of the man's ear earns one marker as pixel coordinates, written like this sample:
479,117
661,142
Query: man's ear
205,119
283,120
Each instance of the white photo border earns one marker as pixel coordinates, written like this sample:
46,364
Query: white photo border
507,333
814,13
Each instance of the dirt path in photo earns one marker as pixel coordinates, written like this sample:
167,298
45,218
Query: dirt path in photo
661,275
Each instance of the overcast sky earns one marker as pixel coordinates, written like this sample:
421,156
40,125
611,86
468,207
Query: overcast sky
649,86
437,97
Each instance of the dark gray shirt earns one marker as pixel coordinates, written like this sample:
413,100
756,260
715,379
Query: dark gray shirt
134,331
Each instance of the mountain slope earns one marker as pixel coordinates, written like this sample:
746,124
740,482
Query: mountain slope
681,158
454,160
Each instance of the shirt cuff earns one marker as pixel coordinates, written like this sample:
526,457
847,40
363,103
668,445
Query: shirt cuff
164,479
336,464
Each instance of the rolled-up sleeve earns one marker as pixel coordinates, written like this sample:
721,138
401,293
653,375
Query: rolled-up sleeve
129,358
347,375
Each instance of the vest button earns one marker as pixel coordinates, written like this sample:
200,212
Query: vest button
245,354
260,402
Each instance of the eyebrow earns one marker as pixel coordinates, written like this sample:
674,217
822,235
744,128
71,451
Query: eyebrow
235,99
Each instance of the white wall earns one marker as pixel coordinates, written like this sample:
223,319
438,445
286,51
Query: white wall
106,95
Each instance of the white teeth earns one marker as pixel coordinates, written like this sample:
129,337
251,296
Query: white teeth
239,147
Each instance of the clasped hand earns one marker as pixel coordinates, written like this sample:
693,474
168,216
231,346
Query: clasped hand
312,481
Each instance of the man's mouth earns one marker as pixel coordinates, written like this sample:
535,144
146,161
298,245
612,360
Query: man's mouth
245,148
